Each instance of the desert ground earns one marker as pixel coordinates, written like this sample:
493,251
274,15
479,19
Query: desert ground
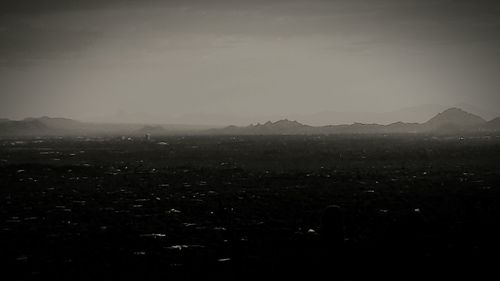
247,207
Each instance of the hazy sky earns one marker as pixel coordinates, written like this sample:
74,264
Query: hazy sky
186,60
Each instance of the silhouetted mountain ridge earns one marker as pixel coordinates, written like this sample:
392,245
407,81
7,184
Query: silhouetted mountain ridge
24,127
283,124
48,126
450,121
56,123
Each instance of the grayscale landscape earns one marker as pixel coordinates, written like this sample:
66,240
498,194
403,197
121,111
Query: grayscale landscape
247,140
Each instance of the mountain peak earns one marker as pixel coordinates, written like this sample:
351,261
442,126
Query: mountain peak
283,123
454,117
455,110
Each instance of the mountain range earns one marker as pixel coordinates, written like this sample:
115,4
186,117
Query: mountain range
453,120
209,119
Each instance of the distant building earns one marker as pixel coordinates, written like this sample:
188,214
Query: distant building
147,137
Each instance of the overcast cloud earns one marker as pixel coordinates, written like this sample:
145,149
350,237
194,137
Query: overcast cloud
175,60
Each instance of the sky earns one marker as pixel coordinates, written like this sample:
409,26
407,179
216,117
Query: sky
225,62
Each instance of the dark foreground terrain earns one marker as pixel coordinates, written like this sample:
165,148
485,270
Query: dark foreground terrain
415,207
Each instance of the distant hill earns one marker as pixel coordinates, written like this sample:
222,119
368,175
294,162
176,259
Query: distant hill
43,126
401,127
40,126
453,119
24,127
57,123
281,127
48,126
